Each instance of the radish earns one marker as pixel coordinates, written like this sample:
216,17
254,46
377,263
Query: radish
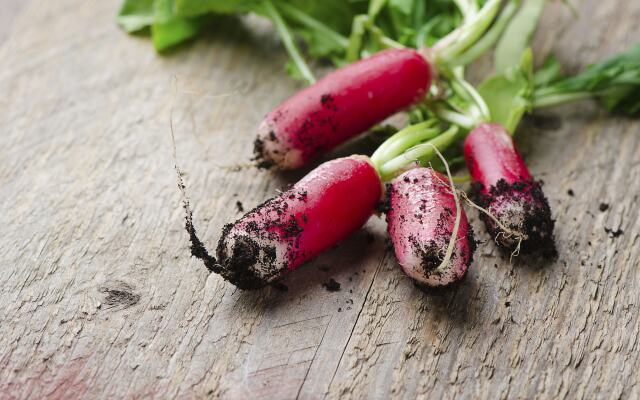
504,187
279,235
355,97
421,218
343,104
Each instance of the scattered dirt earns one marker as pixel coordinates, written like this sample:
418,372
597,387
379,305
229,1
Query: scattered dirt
119,294
614,234
331,285
603,207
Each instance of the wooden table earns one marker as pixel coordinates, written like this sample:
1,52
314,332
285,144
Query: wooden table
100,298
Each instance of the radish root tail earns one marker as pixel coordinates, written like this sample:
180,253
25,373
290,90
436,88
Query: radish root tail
456,225
198,249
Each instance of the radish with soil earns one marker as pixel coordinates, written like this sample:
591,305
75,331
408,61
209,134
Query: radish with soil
276,237
421,218
343,104
327,205
503,186
354,98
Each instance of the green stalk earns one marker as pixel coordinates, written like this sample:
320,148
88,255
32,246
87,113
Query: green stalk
557,99
355,39
463,37
488,39
468,8
312,23
422,153
403,140
288,41
456,118
384,40
477,99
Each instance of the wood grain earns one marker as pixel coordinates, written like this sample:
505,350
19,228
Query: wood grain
100,299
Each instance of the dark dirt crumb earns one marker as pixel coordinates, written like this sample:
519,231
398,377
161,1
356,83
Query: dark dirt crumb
507,303
239,206
603,207
119,294
339,309
331,285
570,192
258,151
614,234
350,290
280,286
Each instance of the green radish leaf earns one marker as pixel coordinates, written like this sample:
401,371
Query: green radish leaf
517,35
375,6
402,6
550,72
508,95
135,15
614,81
168,29
192,8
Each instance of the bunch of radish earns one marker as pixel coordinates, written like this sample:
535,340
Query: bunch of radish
428,227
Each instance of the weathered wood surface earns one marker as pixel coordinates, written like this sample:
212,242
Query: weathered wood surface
100,298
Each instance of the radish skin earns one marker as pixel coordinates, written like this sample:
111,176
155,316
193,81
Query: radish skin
340,106
420,221
323,208
505,188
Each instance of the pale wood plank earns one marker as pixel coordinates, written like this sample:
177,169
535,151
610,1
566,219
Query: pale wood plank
90,211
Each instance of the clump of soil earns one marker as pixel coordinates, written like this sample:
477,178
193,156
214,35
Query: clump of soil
331,285
522,207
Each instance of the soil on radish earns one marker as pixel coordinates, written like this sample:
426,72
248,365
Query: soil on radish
258,151
305,136
537,224
246,251
430,254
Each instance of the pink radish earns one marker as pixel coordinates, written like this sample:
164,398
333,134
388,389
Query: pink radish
421,217
506,189
323,208
343,104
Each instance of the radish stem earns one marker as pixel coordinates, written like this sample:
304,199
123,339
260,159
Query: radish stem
312,23
463,37
288,41
421,153
489,38
403,140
